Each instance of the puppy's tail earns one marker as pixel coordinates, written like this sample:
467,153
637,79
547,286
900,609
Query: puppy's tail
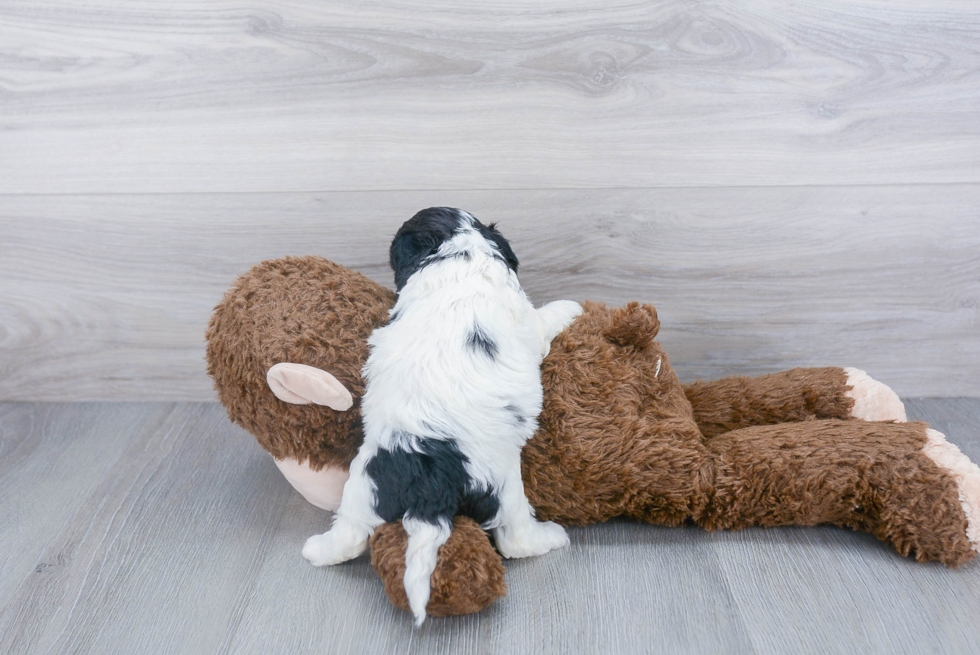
424,541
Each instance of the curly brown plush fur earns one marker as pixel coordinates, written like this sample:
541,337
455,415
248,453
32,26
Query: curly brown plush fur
304,309
871,477
619,435
786,397
470,575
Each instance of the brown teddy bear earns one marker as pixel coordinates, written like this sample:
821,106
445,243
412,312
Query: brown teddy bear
619,435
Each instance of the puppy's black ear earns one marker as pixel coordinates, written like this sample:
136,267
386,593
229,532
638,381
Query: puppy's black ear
419,237
503,245
407,252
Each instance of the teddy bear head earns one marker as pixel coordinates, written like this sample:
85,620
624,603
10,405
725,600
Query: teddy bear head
296,309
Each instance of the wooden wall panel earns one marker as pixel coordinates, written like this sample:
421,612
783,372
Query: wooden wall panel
790,183
107,296
291,95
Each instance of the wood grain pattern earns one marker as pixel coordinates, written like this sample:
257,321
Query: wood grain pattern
189,542
299,95
52,458
825,590
107,297
171,534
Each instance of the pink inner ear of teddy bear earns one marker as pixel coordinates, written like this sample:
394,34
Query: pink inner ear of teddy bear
299,384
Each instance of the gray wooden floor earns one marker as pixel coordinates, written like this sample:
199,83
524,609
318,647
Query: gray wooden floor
162,528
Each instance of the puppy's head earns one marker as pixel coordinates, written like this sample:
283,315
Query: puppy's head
440,233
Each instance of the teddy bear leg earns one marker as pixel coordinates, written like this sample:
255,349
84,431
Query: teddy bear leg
898,481
790,396
469,574
967,475
873,400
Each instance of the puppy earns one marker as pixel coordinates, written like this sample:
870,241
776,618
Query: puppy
453,392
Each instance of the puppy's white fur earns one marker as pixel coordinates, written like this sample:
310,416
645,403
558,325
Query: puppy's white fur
424,380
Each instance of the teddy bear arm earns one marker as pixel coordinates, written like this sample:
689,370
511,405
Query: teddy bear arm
468,577
789,396
902,482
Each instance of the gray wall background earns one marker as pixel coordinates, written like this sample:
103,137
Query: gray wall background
789,183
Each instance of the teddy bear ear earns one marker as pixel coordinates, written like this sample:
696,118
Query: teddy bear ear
299,384
634,325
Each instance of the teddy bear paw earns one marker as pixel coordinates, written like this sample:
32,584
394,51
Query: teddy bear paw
533,539
873,401
967,475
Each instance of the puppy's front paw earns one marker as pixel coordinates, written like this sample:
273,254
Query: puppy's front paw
565,311
534,539
555,317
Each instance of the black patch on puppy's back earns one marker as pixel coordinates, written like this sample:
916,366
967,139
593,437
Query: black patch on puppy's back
515,411
429,484
480,341
479,504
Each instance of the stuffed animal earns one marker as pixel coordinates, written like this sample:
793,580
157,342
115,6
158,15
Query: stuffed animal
619,435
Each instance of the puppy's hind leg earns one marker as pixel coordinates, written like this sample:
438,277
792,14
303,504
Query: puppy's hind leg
353,524
518,533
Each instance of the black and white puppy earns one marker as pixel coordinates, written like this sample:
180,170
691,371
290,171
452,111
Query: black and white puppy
453,391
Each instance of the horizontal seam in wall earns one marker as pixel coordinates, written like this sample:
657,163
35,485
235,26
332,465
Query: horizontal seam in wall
487,190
